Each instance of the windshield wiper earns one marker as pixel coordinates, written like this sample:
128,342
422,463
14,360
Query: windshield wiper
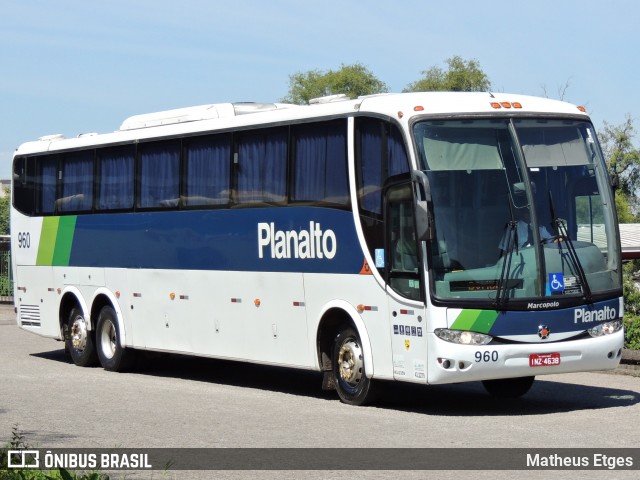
560,227
511,244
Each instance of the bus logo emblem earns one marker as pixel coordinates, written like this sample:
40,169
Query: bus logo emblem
543,332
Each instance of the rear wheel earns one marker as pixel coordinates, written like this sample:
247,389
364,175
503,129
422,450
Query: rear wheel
508,387
108,342
79,340
353,386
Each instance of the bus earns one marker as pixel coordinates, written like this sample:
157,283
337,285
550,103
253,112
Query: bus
430,238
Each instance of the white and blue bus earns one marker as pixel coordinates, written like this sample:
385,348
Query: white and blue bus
429,238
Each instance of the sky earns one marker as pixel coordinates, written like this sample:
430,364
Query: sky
78,66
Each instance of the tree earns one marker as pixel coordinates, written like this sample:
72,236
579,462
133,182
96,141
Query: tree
461,76
352,80
562,90
625,215
4,212
623,159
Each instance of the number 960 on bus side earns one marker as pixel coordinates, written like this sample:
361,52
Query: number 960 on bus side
24,240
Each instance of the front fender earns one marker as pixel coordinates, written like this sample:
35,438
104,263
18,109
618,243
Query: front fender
360,328
74,292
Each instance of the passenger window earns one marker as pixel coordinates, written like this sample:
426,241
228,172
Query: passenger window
320,172
24,185
46,181
207,171
380,154
115,184
159,175
404,272
261,165
77,183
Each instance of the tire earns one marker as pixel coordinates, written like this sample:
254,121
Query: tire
508,387
79,341
111,354
353,386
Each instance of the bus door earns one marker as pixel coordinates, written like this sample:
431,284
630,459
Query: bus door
405,291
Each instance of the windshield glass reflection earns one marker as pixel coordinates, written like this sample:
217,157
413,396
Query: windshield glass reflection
520,206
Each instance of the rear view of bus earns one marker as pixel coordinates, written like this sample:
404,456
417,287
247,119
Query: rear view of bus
523,249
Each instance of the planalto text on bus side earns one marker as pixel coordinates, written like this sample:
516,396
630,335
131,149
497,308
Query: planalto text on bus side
304,244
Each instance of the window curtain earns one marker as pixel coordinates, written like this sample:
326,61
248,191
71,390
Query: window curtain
116,178
208,171
159,175
77,182
262,167
398,161
320,164
47,179
370,190
379,161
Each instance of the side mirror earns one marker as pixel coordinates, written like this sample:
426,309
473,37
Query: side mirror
424,222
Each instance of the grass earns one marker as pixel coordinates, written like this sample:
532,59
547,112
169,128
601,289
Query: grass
18,442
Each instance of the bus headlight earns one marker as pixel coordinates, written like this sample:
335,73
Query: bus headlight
463,337
606,328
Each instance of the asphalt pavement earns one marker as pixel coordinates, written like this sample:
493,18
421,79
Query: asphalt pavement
7,314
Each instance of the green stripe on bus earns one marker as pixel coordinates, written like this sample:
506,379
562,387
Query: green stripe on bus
485,321
47,240
465,320
56,239
64,240
475,320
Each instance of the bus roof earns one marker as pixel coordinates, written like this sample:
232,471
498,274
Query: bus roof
221,116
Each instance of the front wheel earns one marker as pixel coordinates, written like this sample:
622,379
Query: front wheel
508,387
79,340
353,386
108,342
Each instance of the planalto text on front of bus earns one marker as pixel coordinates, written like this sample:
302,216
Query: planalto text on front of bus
523,214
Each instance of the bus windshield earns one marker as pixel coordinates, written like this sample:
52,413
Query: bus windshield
522,209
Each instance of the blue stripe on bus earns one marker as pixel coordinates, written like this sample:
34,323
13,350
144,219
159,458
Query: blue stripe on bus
218,240
557,321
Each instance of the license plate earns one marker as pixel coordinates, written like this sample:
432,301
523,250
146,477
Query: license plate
544,359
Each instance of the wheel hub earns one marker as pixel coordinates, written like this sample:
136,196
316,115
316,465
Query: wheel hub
108,339
79,334
350,362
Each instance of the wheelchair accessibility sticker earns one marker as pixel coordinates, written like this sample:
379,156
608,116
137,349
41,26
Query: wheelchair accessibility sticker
556,282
